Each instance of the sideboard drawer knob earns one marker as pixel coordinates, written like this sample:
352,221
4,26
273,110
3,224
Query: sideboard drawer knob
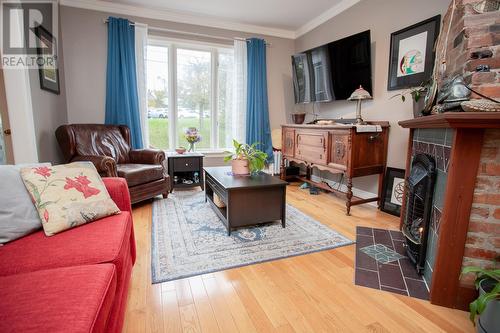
187,164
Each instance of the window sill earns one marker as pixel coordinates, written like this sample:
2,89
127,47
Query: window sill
207,153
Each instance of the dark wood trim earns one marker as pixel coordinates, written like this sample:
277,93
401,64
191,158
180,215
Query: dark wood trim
466,294
455,120
407,174
4,115
456,214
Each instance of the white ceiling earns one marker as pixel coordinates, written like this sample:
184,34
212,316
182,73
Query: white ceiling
281,18
280,14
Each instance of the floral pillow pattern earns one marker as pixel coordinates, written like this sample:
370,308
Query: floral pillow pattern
67,196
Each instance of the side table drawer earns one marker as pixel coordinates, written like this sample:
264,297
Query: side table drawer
186,164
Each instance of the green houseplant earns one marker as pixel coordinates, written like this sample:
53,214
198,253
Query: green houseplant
419,97
246,158
487,305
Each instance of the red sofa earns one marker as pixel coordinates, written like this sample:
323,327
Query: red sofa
75,281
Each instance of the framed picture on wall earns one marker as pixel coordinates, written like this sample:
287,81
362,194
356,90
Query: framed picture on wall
412,53
393,189
47,60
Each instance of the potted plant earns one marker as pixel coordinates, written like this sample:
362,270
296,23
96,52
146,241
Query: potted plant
246,159
418,95
487,305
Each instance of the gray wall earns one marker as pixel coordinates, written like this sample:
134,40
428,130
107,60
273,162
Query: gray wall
49,111
382,17
85,41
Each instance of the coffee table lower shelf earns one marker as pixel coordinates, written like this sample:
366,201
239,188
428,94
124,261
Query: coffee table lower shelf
248,204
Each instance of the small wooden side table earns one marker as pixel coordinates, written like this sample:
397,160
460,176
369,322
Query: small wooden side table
185,170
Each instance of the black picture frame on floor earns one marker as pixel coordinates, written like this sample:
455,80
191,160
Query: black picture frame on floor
48,70
392,193
413,66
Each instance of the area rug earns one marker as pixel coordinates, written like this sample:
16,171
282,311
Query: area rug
189,239
381,263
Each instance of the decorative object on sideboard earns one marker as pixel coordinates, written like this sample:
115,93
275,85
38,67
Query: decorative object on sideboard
180,150
47,49
411,59
192,136
358,95
246,159
419,192
298,117
480,105
487,305
392,193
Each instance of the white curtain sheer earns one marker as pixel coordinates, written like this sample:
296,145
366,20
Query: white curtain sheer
239,91
141,47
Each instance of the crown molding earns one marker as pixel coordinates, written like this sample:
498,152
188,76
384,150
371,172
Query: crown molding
329,14
207,21
167,15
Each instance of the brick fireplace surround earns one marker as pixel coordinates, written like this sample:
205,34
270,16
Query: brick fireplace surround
465,222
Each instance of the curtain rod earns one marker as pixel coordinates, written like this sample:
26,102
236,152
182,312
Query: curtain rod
196,34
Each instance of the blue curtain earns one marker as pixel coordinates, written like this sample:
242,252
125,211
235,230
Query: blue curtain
122,105
257,125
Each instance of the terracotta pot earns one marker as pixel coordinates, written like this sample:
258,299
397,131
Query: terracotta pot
240,167
298,118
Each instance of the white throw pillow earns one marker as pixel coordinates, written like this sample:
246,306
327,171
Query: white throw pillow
18,216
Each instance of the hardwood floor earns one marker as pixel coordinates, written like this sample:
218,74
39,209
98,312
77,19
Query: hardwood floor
309,293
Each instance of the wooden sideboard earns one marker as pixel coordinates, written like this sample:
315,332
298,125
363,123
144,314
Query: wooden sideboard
338,149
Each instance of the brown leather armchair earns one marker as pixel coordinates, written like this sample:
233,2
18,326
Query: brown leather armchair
108,148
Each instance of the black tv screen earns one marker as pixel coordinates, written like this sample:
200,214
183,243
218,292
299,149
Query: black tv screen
333,71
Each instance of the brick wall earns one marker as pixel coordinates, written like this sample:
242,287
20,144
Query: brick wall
474,40
483,237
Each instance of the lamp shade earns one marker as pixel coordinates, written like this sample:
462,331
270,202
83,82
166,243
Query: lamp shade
359,94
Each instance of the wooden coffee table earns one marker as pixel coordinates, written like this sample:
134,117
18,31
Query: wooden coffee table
249,200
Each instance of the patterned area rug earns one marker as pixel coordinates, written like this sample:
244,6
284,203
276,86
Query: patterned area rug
189,239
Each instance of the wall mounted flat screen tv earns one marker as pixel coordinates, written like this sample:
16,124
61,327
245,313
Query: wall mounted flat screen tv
333,71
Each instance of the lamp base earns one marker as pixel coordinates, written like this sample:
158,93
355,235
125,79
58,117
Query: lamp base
360,121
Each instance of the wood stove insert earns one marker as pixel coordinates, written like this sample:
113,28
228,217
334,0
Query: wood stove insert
420,188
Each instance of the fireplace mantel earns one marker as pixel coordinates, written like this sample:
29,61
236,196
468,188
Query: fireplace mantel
455,120
462,138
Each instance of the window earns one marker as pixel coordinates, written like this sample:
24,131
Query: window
189,85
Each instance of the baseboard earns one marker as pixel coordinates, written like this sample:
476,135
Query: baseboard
355,191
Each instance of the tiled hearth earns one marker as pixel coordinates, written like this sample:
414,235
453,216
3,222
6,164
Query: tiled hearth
381,263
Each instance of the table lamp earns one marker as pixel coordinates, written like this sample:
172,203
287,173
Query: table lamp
358,95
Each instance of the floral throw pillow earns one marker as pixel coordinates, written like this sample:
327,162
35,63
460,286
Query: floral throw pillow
68,195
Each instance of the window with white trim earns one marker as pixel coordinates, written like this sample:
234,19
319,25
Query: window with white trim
189,85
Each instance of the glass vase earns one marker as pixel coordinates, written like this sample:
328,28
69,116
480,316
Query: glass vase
191,147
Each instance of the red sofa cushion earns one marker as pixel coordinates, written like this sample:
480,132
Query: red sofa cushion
70,299
109,240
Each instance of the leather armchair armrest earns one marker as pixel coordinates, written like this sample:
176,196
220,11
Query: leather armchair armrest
105,165
147,156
